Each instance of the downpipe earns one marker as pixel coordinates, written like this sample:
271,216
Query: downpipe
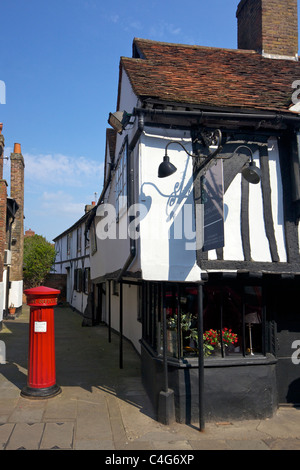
130,180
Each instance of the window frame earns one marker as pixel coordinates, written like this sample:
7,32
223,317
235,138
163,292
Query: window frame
154,303
121,180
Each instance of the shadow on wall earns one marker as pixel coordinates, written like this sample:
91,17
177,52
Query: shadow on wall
293,395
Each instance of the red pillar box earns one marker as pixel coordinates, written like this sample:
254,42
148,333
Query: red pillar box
41,380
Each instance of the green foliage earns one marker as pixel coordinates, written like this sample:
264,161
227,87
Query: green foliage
39,256
187,322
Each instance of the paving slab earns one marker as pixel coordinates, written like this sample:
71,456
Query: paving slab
103,407
5,432
60,408
92,420
249,444
58,436
28,411
26,436
284,444
94,444
209,444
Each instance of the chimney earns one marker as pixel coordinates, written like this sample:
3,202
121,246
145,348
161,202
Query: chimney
17,193
29,233
3,205
89,207
269,27
1,151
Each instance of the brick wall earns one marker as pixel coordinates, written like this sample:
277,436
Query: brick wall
17,192
1,151
57,281
269,26
3,196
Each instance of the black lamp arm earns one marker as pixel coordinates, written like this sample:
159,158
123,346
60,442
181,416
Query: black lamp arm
181,145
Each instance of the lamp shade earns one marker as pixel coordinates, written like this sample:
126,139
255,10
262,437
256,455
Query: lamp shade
166,168
252,318
252,173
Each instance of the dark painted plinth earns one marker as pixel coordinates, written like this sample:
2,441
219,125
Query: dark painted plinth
40,393
166,407
237,388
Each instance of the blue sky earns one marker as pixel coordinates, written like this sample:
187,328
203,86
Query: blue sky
60,65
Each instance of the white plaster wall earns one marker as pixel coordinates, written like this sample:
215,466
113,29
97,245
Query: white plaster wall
167,241
64,260
4,289
260,250
162,256
277,198
2,299
16,294
132,329
112,253
259,244
232,221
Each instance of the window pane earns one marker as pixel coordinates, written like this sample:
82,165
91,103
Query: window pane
223,312
253,319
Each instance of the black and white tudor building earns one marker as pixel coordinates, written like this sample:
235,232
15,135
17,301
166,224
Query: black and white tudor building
204,250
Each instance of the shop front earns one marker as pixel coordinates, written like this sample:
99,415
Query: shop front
243,369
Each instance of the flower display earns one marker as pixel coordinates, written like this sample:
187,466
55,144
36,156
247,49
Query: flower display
213,337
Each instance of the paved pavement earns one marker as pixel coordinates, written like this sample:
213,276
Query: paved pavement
103,407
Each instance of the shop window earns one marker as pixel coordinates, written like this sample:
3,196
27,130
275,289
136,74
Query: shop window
232,319
182,320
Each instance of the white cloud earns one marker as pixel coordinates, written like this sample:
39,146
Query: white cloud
115,18
61,203
163,29
62,170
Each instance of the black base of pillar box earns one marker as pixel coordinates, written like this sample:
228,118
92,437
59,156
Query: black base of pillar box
166,407
40,393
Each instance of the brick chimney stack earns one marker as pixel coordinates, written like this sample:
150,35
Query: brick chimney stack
269,27
3,197
1,151
17,193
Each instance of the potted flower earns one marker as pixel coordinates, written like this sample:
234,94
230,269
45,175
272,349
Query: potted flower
213,338
189,331
12,309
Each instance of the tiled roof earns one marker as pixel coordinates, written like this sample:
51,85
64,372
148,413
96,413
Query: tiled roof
210,77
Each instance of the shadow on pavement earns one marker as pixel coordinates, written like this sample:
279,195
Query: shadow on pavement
85,358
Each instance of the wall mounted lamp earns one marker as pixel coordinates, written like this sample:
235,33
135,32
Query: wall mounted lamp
250,172
166,168
119,120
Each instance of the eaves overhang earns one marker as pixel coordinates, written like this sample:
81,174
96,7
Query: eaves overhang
186,116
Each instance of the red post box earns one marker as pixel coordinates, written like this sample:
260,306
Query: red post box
41,380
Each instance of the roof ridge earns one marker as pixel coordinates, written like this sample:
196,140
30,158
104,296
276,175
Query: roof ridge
194,46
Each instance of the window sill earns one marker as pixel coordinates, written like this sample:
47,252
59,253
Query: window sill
227,361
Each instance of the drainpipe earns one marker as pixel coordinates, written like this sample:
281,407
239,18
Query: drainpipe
200,359
132,251
130,173
93,211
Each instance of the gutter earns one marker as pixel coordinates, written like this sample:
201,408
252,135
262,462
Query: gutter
216,114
